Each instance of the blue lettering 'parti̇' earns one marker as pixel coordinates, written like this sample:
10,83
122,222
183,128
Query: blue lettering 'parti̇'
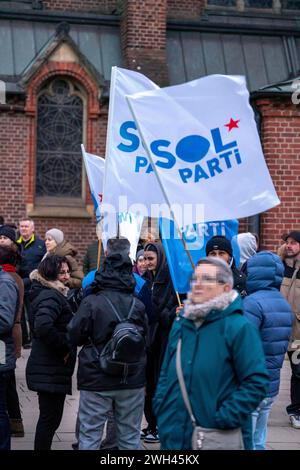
190,149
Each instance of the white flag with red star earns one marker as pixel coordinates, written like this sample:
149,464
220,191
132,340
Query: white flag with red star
202,140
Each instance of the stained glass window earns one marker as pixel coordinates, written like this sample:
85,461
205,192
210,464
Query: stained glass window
59,135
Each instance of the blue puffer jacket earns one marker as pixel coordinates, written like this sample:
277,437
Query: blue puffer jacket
269,311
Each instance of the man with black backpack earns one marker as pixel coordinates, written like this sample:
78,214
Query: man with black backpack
111,325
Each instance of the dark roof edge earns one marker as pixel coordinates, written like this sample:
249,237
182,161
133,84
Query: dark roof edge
269,94
59,16
215,27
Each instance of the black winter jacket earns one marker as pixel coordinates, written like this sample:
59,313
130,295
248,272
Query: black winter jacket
164,303
9,295
239,280
32,253
93,325
47,370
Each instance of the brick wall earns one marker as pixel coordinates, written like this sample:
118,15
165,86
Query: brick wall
100,6
79,232
143,36
15,170
281,143
185,9
14,135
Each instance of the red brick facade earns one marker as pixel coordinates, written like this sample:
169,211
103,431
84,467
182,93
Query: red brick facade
143,39
106,7
281,143
143,35
187,9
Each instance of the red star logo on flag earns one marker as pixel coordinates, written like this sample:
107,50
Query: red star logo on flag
232,124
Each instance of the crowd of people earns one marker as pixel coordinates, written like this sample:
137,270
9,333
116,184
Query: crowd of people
211,358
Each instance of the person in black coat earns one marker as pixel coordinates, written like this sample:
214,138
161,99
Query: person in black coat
164,303
32,250
52,360
92,327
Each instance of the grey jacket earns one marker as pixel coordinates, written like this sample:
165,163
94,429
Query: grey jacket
8,307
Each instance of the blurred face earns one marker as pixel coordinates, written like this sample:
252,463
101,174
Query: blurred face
150,258
50,243
64,273
220,254
26,229
205,285
4,241
141,264
292,248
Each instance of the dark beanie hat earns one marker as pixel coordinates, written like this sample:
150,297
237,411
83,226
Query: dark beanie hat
8,232
295,235
219,243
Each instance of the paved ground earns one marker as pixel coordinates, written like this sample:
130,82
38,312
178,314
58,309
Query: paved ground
281,435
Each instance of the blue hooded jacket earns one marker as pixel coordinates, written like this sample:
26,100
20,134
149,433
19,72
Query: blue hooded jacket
268,310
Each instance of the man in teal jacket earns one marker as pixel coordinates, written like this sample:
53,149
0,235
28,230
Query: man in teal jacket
222,360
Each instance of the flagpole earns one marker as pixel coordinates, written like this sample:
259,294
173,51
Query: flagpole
159,181
178,298
107,147
99,245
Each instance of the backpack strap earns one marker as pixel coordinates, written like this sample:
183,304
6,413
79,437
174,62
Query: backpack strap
131,308
115,310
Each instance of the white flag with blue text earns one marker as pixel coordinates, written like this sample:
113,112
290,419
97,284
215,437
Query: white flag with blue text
128,171
94,166
204,146
129,224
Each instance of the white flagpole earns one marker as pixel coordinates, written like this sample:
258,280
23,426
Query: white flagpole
109,122
108,138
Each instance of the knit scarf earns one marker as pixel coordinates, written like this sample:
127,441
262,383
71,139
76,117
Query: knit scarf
198,312
8,268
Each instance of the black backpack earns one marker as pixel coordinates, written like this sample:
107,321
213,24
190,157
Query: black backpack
125,353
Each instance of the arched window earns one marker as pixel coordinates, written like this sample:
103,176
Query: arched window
60,131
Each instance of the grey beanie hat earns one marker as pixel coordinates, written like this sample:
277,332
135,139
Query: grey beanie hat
56,234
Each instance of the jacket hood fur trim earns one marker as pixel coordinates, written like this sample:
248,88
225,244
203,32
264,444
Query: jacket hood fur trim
59,286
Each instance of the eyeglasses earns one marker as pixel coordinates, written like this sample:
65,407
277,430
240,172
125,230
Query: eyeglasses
205,279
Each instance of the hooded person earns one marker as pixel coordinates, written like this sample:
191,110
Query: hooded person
56,244
271,314
248,246
92,327
220,247
164,303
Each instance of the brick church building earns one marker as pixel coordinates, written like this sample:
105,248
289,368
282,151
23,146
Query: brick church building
55,63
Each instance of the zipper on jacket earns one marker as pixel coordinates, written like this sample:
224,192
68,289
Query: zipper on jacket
125,373
122,329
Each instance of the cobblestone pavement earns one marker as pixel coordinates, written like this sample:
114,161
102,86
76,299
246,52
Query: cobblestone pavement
280,436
